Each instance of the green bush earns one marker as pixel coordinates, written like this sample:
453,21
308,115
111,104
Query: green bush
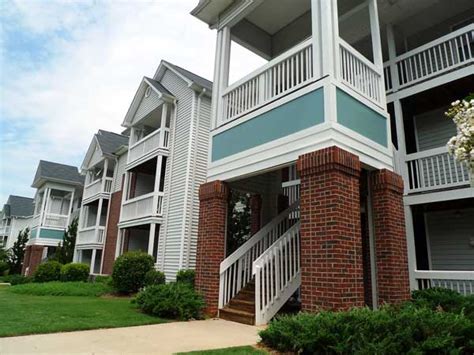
57,288
445,300
154,277
173,300
4,267
48,271
74,272
16,279
129,271
186,276
103,279
390,330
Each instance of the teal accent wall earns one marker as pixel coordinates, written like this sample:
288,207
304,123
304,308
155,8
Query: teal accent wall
51,233
304,112
33,233
355,115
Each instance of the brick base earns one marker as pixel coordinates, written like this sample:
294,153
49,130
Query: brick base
33,256
390,239
331,247
213,198
112,232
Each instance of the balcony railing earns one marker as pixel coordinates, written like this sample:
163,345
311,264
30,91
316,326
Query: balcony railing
460,281
5,230
143,206
55,220
91,235
149,144
432,59
435,169
103,185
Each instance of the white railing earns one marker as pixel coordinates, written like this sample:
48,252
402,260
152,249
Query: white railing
55,220
103,185
280,76
236,269
432,59
142,206
435,169
460,281
360,74
148,144
277,275
100,234
35,221
5,230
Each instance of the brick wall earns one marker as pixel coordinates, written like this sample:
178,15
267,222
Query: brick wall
255,213
33,256
331,247
115,203
213,198
390,240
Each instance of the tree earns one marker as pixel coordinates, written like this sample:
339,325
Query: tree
17,252
65,250
238,220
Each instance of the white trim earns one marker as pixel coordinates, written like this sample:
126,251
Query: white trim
448,195
411,249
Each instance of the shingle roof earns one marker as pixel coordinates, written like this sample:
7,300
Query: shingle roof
158,86
18,206
48,170
199,80
109,142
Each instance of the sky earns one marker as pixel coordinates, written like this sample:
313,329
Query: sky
69,68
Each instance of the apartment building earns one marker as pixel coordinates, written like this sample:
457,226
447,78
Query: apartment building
15,217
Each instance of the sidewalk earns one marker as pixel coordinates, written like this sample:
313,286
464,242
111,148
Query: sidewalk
166,338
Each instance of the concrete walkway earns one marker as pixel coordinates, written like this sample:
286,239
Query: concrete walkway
166,338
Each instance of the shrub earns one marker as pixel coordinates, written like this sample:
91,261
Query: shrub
129,271
48,271
186,276
74,272
4,267
154,277
444,299
16,279
390,330
103,279
57,288
173,300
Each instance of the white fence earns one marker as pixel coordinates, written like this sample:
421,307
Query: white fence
148,144
460,281
142,206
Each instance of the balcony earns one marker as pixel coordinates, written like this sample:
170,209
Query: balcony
97,187
435,169
149,205
5,230
148,146
91,235
431,60
52,220
460,281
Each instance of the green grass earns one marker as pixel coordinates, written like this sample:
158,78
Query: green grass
22,314
240,350
56,288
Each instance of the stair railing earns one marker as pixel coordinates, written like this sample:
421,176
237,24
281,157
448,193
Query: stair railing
236,269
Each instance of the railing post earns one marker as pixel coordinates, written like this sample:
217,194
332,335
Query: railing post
261,89
258,303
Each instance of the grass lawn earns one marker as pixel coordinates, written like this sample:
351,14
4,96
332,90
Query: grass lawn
22,314
239,350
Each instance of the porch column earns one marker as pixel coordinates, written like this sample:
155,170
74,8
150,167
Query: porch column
412,265
213,197
151,240
69,212
331,243
92,266
390,239
255,213
97,219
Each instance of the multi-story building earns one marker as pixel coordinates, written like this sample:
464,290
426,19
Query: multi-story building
99,167
15,217
57,201
309,135
168,121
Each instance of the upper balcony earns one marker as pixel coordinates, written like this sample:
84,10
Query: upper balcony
148,146
98,187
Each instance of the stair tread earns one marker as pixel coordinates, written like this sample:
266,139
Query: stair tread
237,311
242,300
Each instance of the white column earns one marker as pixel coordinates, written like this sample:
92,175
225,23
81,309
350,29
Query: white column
411,247
215,88
104,174
224,68
329,33
151,240
392,54
124,191
316,36
118,246
97,220
164,113
69,212
157,194
92,267
42,210
402,148
45,207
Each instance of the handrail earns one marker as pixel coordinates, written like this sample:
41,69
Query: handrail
358,55
441,274
141,197
426,153
95,182
152,134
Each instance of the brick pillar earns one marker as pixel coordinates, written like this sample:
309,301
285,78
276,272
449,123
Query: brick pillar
33,259
331,243
390,239
213,197
26,260
255,213
115,203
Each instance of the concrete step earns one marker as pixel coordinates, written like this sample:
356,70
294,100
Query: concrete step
236,315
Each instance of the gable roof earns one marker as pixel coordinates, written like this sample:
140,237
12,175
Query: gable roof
196,79
18,206
109,142
48,170
157,86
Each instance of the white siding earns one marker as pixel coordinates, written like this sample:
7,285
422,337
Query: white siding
147,105
119,171
433,129
450,234
17,225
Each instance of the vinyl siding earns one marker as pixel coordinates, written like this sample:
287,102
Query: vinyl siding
119,171
147,105
450,234
433,129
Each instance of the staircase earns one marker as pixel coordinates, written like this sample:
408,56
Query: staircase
259,277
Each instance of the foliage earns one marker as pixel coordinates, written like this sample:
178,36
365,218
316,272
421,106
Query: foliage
16,279
57,288
103,279
445,300
129,271
74,272
176,300
17,252
4,267
238,350
187,275
48,271
65,250
238,220
390,330
154,277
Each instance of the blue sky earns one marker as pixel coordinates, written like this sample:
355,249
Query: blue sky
68,68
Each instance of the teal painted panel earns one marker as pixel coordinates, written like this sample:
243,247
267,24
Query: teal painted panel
304,112
355,115
33,233
51,233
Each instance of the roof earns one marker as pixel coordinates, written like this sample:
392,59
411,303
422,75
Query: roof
18,206
109,142
48,170
196,79
157,85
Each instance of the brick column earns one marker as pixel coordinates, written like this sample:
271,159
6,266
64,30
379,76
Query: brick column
33,256
255,213
213,197
390,239
331,243
26,260
110,245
